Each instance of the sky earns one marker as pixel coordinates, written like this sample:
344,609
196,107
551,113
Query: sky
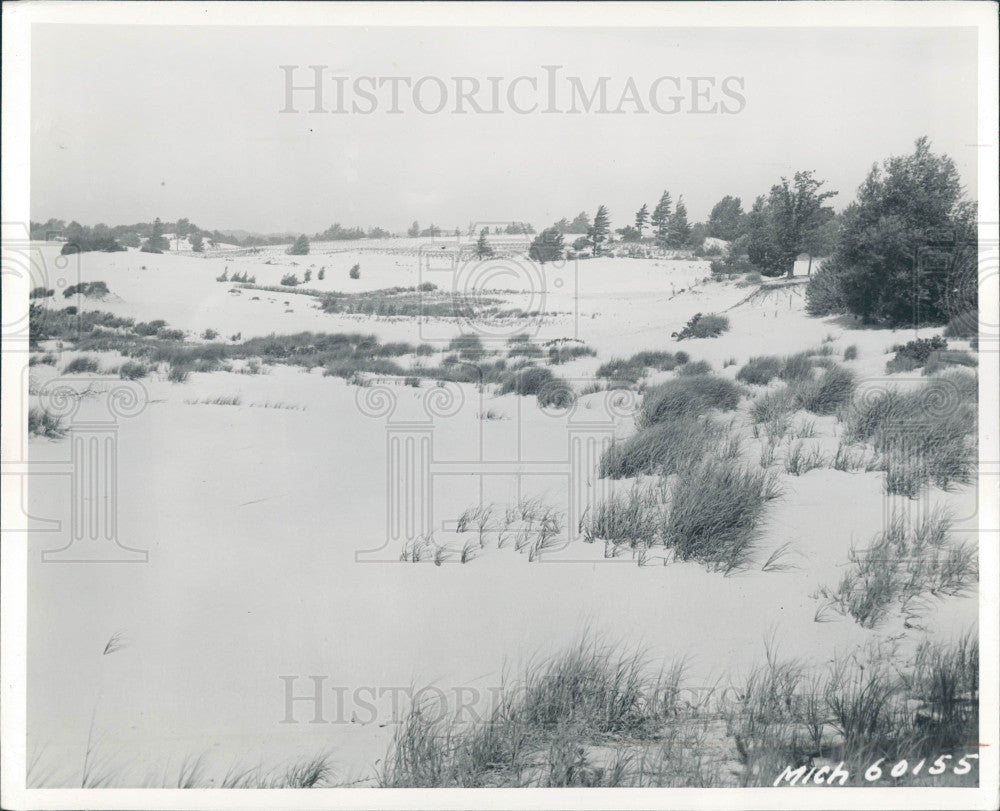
130,123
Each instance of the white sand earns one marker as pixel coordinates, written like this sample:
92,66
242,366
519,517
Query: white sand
253,516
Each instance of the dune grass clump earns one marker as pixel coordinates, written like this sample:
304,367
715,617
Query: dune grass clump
664,448
81,364
629,519
761,370
830,392
945,358
704,326
697,367
656,359
563,352
621,370
928,434
178,372
528,381
468,347
688,396
43,423
133,370
541,729
715,514
902,568
797,367
773,405
801,460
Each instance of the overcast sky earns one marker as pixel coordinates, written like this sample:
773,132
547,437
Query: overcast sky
131,123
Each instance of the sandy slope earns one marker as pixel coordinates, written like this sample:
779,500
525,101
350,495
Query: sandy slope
253,517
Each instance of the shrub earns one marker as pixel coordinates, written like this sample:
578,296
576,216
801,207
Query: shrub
83,363
688,396
824,295
704,326
915,354
289,280
149,328
834,388
41,292
715,512
300,247
322,274
355,272
42,423
851,352
210,335
87,289
682,357
664,448
760,371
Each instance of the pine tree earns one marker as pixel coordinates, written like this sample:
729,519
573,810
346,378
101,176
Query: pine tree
600,229
197,243
300,246
641,218
483,248
156,243
678,229
547,246
661,218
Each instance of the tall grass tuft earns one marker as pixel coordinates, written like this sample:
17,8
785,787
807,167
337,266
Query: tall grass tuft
759,371
833,390
688,396
902,568
664,447
716,511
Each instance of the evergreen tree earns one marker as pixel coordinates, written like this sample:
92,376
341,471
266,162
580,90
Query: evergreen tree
678,228
580,224
906,253
726,220
156,243
300,247
661,219
641,219
483,248
197,243
547,246
600,229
